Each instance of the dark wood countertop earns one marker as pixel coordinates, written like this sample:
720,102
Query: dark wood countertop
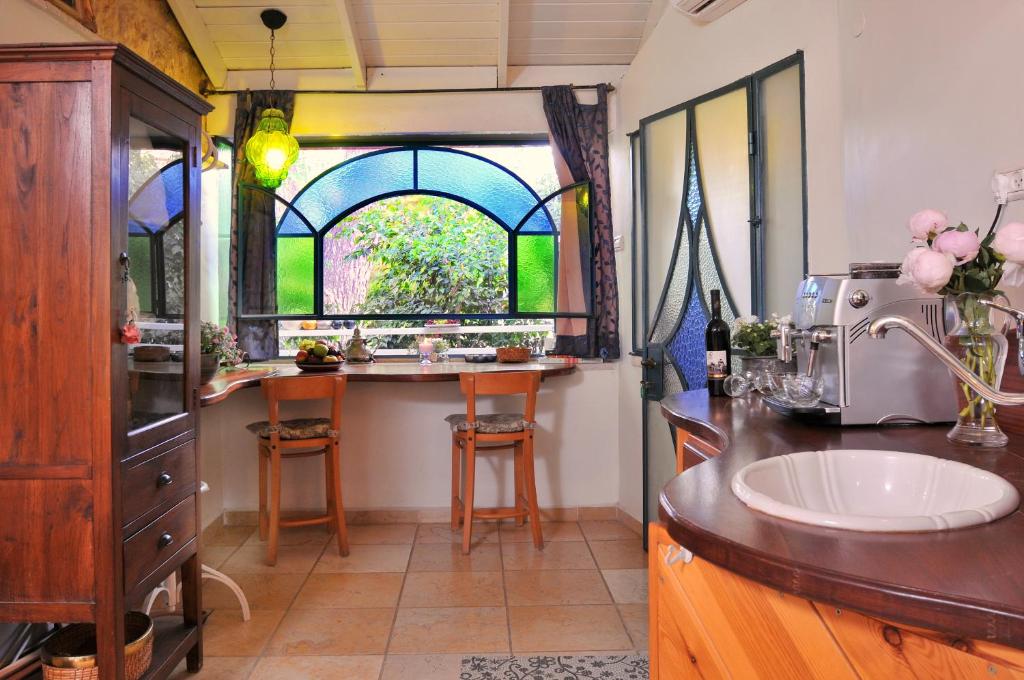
228,381
966,582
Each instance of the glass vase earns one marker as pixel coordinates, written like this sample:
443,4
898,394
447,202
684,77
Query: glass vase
980,345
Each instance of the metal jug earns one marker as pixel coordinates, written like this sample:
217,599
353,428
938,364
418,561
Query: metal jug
357,351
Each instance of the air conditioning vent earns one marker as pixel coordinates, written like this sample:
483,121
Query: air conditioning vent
704,11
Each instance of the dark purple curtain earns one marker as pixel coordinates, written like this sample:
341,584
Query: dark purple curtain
581,134
253,247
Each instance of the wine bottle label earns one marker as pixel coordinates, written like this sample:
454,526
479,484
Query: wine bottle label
718,366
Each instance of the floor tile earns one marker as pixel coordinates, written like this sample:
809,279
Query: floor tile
586,627
219,535
635,618
352,591
449,557
291,559
422,667
483,532
564,555
317,535
552,531
217,668
450,629
365,558
215,555
628,586
453,589
332,632
263,591
379,534
607,530
225,634
556,586
318,668
619,554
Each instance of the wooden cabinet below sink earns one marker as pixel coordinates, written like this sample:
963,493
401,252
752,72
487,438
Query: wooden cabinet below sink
706,622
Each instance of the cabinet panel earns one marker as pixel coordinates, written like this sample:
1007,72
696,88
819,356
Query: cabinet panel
880,650
46,548
46,319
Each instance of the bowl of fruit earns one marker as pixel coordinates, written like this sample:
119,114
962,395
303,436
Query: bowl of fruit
318,356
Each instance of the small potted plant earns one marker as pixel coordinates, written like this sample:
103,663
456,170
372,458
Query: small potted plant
753,343
441,347
217,345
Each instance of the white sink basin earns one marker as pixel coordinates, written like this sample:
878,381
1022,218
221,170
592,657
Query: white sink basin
874,490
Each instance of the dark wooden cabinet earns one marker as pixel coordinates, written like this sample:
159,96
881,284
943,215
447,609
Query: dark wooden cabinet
99,225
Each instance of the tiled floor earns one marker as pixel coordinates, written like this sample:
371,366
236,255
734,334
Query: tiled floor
407,604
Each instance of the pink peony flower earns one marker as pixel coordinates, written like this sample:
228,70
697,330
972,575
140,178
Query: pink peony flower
926,223
908,265
931,270
1013,275
963,245
1009,242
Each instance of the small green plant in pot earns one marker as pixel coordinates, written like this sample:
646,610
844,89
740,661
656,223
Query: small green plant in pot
217,346
753,343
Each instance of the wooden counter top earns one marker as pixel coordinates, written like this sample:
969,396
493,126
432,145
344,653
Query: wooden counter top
968,582
230,380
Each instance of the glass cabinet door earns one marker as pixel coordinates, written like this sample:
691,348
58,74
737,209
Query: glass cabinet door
156,275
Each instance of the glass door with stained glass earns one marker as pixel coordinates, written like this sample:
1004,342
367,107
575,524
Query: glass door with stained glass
155,259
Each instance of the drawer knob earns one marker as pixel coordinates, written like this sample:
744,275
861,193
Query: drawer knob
165,540
164,479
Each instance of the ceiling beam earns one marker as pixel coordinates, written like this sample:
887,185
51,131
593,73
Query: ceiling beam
503,12
199,37
355,48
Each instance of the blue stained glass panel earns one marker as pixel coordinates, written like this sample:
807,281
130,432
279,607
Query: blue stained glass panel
687,345
158,202
346,185
488,185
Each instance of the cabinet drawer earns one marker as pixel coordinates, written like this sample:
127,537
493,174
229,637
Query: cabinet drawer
158,481
155,544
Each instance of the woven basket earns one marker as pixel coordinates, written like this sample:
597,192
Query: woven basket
513,355
71,653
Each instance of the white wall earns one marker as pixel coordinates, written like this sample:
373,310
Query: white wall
396,450
33,21
932,105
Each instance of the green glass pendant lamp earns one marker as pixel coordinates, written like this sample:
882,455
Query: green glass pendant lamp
272,149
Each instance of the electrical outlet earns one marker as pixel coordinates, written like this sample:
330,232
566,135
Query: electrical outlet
1008,186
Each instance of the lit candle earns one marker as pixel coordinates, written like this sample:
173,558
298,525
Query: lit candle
426,347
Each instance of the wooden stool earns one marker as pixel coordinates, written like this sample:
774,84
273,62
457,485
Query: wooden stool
299,438
472,432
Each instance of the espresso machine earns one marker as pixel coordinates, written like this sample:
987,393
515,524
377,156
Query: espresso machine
866,381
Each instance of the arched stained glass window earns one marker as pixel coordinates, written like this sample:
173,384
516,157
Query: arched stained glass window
156,240
426,232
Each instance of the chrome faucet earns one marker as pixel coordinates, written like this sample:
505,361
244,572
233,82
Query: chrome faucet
882,324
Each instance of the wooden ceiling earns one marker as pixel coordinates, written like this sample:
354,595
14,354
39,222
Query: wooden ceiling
361,34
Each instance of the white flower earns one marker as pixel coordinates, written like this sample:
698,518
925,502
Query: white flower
1013,274
786,320
745,320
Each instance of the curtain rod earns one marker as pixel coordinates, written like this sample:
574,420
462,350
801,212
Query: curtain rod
450,90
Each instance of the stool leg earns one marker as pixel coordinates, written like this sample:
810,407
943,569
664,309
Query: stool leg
456,481
275,504
467,496
520,492
531,490
332,524
339,507
264,463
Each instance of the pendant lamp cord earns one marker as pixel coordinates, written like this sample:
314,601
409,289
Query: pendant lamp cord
272,59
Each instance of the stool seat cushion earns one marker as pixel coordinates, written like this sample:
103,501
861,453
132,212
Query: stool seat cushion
297,428
489,423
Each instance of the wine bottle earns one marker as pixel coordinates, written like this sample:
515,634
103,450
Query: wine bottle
716,342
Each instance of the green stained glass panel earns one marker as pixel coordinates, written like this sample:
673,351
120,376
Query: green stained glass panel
536,273
295,275
139,252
